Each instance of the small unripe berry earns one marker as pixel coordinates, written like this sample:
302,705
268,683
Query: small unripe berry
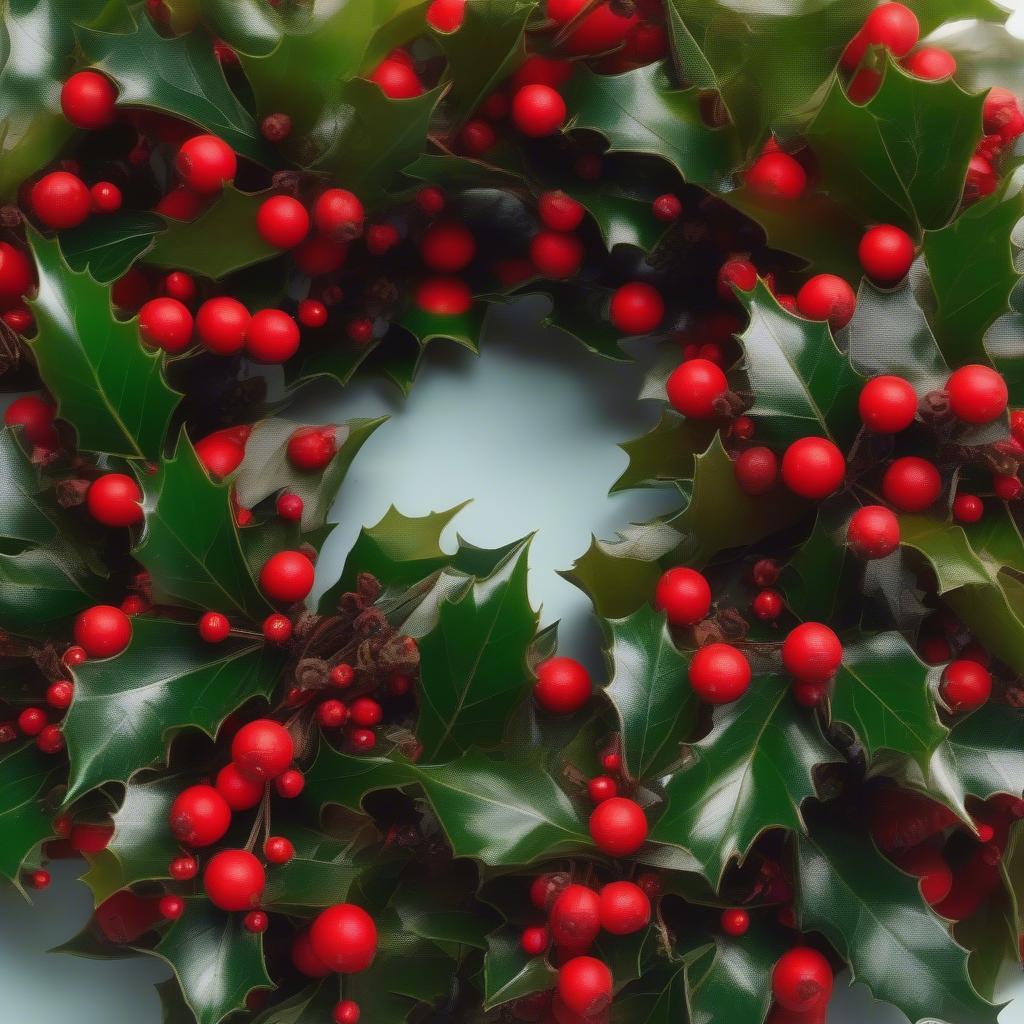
719,674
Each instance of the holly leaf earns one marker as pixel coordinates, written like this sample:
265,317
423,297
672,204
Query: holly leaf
883,691
622,219
107,386
29,513
221,240
802,383
658,997
667,452
642,112
902,157
876,918
176,75
25,775
217,961
266,469
473,663
509,973
752,772
311,1005
654,702
107,246
971,262
821,577
128,709
190,544
502,812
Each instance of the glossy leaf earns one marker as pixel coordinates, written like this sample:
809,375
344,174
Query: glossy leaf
751,772
666,452
107,385
653,699
25,774
190,545
509,973
127,709
621,219
875,917
107,246
473,663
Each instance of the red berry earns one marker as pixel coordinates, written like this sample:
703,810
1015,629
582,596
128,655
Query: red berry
756,470
277,629
310,449
611,762
741,274
396,79
854,52
60,694
87,99
305,960
381,239
981,179
887,404
743,428
32,721
183,868
447,246
911,484
344,938
556,255
39,879
968,508
977,394
103,631
75,656
61,200
813,468
932,63
114,500
767,605
312,313
534,941
684,595
166,323
563,686
618,826
777,176
332,714
560,212
50,740
199,816
538,70
366,712
342,675
339,214
289,507
239,793
105,197
1006,486
802,978
575,911
347,1011
695,386
214,627
15,271
204,163
446,15
667,208
827,297
966,685
599,29
320,255
444,296
272,336
477,137
171,907
221,324
735,922
219,454
256,921
927,863
893,26
1002,115
812,653
873,532
362,740
585,985
234,880
636,308
282,222
278,850
180,204
625,908
719,674
885,253
179,285
290,784
262,750
538,111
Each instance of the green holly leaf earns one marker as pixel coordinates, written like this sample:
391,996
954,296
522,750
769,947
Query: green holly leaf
667,452
901,158
107,246
218,242
752,772
502,812
483,52
176,75
172,1002
190,545
876,918
311,1005
128,709
971,263
642,112
622,219
655,704
802,383
25,775
509,973
883,691
217,961
29,513
473,663
890,333
266,470
822,576
142,845
658,997
578,311
107,385
767,63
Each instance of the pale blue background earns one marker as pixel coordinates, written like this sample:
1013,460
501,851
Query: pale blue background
529,431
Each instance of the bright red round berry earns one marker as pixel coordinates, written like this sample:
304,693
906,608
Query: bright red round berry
559,211
256,922
40,879
625,908
735,273
912,484
234,880
812,653
534,941
719,674
272,336
735,922
290,784
114,500
344,938
214,627
221,324
332,714
444,296
311,313
873,532
538,110
977,394
777,176
204,163
103,631
618,826
813,467
199,816
339,214
396,79
166,323
278,850
346,1012
636,308
966,685
886,253
756,470
239,793
968,508
563,686
556,255
601,787
342,675
60,694
61,200
289,507
310,449
827,297
15,271
893,26
87,99
694,387
320,255
585,985
262,750
282,222
50,740
181,869
106,197
277,629
887,404
179,285
447,246
767,605
32,721
684,595
171,907
667,208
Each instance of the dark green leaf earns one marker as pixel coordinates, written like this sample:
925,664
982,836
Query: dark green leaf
106,384
621,219
876,918
666,452
24,821
509,973
107,246
127,709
